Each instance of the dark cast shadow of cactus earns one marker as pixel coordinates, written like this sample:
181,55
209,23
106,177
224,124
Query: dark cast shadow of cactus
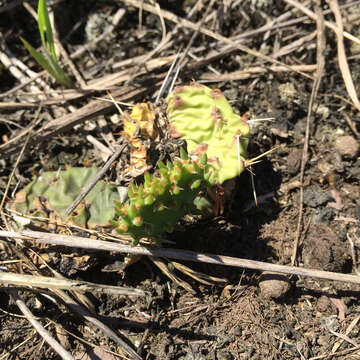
236,232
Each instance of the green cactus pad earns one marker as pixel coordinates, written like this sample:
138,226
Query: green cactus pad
156,206
204,118
56,190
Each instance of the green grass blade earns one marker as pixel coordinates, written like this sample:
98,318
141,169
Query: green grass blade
49,65
60,75
38,57
45,29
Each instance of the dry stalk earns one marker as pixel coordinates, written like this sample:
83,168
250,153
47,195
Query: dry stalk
343,64
64,354
171,17
99,245
328,24
65,284
93,181
319,73
255,71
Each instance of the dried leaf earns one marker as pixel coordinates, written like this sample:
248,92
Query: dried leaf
138,126
145,118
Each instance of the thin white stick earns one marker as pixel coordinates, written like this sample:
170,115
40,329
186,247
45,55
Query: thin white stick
99,245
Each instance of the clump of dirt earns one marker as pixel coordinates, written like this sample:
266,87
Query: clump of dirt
324,250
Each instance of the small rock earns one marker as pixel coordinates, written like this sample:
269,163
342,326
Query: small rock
273,285
294,161
323,304
314,197
287,92
357,211
224,355
354,171
323,340
323,215
347,146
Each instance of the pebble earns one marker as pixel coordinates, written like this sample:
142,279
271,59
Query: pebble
347,146
273,285
314,197
294,161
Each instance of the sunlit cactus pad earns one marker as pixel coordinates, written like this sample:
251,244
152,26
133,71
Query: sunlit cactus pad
158,204
54,191
204,118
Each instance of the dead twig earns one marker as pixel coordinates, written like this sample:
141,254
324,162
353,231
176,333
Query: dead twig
200,277
72,304
19,157
314,91
352,126
93,182
328,323
347,332
99,245
194,35
165,270
328,24
65,284
82,309
171,17
255,71
353,255
64,354
338,354
343,64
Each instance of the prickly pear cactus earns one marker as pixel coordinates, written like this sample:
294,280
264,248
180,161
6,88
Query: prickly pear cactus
54,191
204,118
157,205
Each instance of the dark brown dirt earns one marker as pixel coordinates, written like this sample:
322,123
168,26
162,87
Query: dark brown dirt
236,321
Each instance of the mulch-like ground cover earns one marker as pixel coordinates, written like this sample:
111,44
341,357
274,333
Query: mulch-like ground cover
291,68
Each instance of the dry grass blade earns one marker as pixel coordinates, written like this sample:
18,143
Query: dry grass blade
65,284
64,354
171,17
343,64
92,319
347,332
166,271
319,73
87,112
338,354
314,16
200,277
93,182
19,158
254,71
99,245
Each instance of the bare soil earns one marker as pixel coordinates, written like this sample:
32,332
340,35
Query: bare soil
313,319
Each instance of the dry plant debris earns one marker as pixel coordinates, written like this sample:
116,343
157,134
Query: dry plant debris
308,209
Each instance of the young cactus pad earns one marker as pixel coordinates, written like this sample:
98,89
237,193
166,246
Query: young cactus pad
157,205
55,191
204,118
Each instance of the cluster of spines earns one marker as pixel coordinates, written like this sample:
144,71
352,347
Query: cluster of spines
155,206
